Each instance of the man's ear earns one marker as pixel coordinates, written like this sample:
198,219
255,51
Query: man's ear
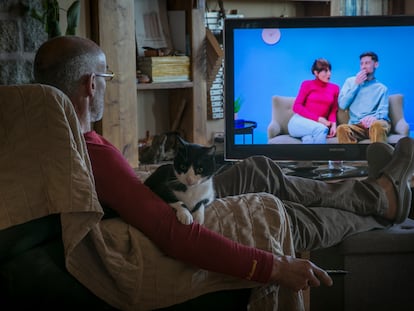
90,86
376,65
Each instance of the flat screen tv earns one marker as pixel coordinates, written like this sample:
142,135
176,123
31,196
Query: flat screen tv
267,57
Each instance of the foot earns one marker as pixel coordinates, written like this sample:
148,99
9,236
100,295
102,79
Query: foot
395,180
378,156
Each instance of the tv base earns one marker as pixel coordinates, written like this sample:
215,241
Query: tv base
326,170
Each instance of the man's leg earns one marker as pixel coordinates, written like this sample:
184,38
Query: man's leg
351,133
378,132
319,227
261,174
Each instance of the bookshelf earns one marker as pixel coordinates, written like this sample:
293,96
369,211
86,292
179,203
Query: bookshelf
113,28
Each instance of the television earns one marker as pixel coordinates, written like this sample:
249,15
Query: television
264,57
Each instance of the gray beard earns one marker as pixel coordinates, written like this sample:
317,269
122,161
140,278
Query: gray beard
97,108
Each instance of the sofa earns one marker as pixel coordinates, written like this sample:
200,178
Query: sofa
42,160
277,131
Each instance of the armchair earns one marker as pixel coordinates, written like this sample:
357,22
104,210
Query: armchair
58,251
277,131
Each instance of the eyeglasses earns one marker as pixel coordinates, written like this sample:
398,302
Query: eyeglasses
108,76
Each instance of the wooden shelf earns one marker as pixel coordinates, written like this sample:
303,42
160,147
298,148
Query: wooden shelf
113,28
187,100
165,85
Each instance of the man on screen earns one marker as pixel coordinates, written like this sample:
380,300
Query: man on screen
367,101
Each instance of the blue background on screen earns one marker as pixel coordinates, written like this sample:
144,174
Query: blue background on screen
262,70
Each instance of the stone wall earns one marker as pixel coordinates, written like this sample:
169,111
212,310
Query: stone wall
20,36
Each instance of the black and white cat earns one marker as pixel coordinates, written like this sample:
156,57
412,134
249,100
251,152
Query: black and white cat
187,184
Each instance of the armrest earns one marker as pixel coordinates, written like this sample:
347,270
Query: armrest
273,129
396,113
402,127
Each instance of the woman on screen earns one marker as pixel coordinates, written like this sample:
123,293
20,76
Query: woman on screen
315,106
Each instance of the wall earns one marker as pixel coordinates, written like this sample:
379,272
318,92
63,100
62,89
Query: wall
21,35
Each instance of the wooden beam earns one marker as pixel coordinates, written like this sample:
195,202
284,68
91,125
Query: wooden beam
117,38
199,77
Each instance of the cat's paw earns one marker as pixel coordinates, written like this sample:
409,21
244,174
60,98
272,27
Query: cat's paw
199,215
184,216
182,213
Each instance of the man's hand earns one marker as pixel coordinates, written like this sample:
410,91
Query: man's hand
360,77
298,274
367,121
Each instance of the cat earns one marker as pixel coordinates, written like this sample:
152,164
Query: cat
187,183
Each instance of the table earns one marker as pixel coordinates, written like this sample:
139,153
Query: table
244,127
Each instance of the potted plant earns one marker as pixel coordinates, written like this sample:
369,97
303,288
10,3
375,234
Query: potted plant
238,123
50,17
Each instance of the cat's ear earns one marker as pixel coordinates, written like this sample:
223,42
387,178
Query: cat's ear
181,147
181,141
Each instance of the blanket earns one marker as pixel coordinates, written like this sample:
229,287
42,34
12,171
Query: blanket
45,170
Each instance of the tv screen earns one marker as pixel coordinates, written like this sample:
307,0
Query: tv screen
267,59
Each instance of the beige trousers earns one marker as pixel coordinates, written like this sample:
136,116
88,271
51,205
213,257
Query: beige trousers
352,133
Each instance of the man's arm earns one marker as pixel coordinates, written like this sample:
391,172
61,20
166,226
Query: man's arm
118,187
348,93
382,110
383,107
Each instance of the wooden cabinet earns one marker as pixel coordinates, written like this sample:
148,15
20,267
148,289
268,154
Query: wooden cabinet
113,28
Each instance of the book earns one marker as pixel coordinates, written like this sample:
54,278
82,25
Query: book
165,68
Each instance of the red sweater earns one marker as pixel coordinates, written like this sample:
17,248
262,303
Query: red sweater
119,188
317,99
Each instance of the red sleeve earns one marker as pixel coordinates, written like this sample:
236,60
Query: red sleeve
119,188
299,106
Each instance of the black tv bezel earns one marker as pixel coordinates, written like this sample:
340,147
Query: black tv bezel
291,152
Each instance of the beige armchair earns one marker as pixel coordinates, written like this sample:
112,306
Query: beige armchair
277,132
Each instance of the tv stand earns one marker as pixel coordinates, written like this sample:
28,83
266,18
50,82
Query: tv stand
327,170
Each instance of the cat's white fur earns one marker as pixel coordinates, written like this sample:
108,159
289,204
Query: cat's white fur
198,188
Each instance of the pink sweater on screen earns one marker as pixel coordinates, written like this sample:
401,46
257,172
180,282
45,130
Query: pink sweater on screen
317,99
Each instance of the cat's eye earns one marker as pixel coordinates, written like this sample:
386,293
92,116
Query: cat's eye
199,170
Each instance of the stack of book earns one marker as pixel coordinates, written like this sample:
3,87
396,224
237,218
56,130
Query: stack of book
165,68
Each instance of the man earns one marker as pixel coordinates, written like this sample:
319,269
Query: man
367,101
78,67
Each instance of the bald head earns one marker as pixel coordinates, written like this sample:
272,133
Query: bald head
64,61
